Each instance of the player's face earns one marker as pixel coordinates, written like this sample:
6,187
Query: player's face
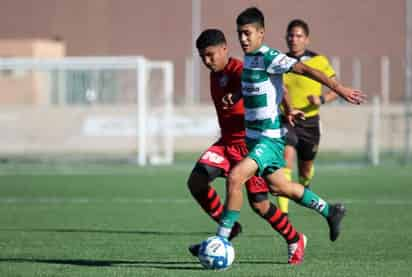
297,40
250,37
214,57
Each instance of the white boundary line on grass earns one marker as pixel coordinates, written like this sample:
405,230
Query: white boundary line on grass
175,201
35,170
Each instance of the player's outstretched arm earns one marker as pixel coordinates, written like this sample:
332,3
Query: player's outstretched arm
350,95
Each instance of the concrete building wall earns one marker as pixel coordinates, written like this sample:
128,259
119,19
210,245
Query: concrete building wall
161,29
23,87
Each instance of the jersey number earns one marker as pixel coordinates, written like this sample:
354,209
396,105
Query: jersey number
213,157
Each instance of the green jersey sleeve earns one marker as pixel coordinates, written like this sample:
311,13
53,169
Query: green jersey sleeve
278,63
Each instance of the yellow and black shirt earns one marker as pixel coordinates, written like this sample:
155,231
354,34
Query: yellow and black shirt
300,87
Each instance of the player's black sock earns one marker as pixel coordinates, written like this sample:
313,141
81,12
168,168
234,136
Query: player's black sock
281,224
211,204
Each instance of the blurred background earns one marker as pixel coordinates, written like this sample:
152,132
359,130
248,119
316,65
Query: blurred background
121,80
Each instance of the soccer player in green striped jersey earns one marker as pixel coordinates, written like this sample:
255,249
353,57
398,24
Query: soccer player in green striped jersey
262,90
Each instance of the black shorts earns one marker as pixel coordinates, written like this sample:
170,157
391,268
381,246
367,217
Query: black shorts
305,137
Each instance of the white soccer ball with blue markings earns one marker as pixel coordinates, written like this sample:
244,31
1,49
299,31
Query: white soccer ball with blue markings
216,253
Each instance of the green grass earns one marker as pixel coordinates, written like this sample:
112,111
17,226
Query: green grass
92,220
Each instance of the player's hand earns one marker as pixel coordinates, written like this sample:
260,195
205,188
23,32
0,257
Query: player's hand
352,96
293,115
314,100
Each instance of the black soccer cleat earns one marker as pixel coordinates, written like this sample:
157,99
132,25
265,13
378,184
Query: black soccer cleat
194,249
236,230
336,214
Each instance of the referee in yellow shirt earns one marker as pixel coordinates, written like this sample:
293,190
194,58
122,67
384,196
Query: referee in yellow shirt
306,95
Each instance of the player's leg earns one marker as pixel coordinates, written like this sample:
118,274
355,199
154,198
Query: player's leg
291,140
259,201
279,222
205,194
308,134
234,196
213,163
283,202
306,151
281,186
306,172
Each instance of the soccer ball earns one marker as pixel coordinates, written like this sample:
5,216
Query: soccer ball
216,253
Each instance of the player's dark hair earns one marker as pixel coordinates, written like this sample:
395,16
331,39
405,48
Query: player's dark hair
210,37
298,23
251,15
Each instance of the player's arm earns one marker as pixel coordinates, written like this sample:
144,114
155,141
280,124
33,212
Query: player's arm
290,113
349,94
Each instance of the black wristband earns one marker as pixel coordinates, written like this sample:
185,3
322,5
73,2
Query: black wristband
322,99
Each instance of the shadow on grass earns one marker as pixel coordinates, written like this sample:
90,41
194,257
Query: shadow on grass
132,232
182,265
176,265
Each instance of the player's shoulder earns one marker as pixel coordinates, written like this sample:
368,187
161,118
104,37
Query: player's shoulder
234,63
269,51
234,66
313,56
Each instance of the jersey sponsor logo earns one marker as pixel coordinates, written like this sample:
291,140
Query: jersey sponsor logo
250,89
212,157
223,81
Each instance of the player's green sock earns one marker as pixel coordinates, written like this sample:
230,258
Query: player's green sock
227,221
313,201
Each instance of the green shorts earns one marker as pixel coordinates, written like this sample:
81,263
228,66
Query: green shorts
267,153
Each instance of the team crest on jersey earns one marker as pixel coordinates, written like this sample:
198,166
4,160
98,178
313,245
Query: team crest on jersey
223,81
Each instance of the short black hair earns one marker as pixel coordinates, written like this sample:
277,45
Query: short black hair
298,23
210,37
251,15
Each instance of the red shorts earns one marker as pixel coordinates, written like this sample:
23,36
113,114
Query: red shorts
225,157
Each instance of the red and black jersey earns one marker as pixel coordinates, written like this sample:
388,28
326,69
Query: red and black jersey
231,119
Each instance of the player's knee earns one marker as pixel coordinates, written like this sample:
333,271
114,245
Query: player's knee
259,202
276,191
234,181
260,207
197,183
281,188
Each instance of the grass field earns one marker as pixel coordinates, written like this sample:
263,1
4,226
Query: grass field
92,220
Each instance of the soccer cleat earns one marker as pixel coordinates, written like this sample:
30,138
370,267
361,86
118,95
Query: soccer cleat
336,214
194,249
236,230
296,250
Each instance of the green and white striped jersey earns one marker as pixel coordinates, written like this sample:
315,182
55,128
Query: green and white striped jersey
262,89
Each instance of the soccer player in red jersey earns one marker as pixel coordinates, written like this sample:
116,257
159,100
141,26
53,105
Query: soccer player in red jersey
218,159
